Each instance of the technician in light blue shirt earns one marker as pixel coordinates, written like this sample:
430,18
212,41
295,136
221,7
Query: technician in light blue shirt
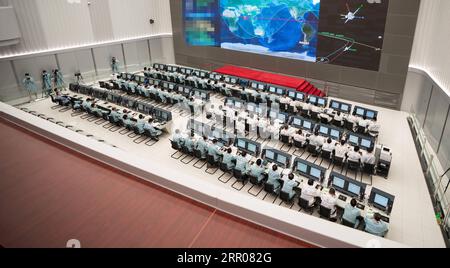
288,186
213,150
273,177
241,163
114,115
228,158
140,124
375,225
177,138
202,146
189,143
257,170
352,213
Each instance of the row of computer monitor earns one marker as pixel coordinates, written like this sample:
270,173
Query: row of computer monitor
123,100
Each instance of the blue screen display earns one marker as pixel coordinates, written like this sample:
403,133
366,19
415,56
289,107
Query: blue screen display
353,188
270,155
370,114
302,167
315,172
338,182
353,139
381,200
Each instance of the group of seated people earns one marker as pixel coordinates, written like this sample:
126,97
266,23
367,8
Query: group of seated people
114,115
316,196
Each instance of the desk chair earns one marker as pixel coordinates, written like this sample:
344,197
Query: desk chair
284,107
298,144
286,197
304,113
270,189
240,177
314,116
210,160
148,134
324,212
326,154
291,109
312,149
338,161
348,125
285,139
251,98
369,169
323,120
347,223
244,97
353,165
304,204
337,123
224,167
361,130
259,100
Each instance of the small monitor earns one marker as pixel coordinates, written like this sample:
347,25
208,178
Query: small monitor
353,139
335,134
300,96
218,77
241,144
312,99
280,91
354,189
270,155
366,143
251,147
141,106
345,107
281,159
250,108
260,86
211,76
272,89
227,79
186,90
302,167
110,97
130,103
297,122
282,117
291,94
171,86
360,111
323,130
307,124
180,89
238,104
254,85
315,172
165,85
381,200
335,105
233,80
370,114
204,96
321,102
338,182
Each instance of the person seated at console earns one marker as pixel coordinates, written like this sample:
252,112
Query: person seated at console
341,150
316,140
127,123
189,143
228,159
364,123
352,214
114,115
86,104
140,124
373,128
273,175
202,146
329,201
375,226
154,133
257,170
310,193
329,146
242,163
339,118
325,118
226,90
213,149
300,137
96,111
286,131
288,185
177,137
354,155
285,100
368,157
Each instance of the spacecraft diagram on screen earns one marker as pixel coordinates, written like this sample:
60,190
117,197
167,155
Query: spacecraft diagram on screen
351,15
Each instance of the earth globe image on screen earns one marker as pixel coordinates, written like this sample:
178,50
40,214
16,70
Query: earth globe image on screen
271,25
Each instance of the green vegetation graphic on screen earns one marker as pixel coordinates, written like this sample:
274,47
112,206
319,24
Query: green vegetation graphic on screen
341,32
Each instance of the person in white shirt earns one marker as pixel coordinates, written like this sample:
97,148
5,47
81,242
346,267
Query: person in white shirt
326,117
329,201
329,146
218,111
369,157
338,117
288,185
240,127
316,109
299,137
306,106
374,128
296,104
316,140
274,130
352,119
364,122
309,192
285,100
354,155
341,150
252,121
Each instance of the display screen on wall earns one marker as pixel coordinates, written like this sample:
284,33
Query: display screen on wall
342,32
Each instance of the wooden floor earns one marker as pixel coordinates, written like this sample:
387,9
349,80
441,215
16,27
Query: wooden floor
49,195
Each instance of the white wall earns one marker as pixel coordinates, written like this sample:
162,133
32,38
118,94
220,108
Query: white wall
56,24
432,40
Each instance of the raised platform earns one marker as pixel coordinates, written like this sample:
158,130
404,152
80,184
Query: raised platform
271,78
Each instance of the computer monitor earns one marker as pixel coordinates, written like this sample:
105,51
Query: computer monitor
272,89
335,134
270,155
280,91
315,172
171,86
312,99
254,85
165,85
218,77
238,104
366,143
211,76
323,130
227,79
250,108
186,90
291,94
353,139
338,182
297,122
141,107
180,89
260,86
345,107
282,117
251,147
110,97
307,124
281,159
360,111
321,102
370,114
241,144
233,80
354,189
302,167
300,96
381,200
130,103
204,95
335,105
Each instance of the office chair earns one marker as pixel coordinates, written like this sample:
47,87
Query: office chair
369,169
259,100
239,176
286,197
102,84
270,188
323,120
291,109
338,161
252,98
326,154
348,125
336,123
298,144
347,223
324,212
283,107
210,160
244,97
312,149
224,167
361,130
314,116
254,180
353,165
304,204
198,154
304,113
285,139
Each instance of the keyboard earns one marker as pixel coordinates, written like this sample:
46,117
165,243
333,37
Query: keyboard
360,206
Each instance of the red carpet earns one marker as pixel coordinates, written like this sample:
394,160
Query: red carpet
271,78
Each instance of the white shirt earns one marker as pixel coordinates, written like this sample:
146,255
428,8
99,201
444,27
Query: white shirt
286,132
316,141
354,156
368,158
329,147
309,193
363,123
338,117
341,150
306,106
374,127
300,138
316,109
285,100
329,201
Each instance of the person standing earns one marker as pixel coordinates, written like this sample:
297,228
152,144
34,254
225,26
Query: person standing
59,80
30,85
46,83
114,65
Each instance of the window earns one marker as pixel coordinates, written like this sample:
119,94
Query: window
354,189
338,182
380,200
270,155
